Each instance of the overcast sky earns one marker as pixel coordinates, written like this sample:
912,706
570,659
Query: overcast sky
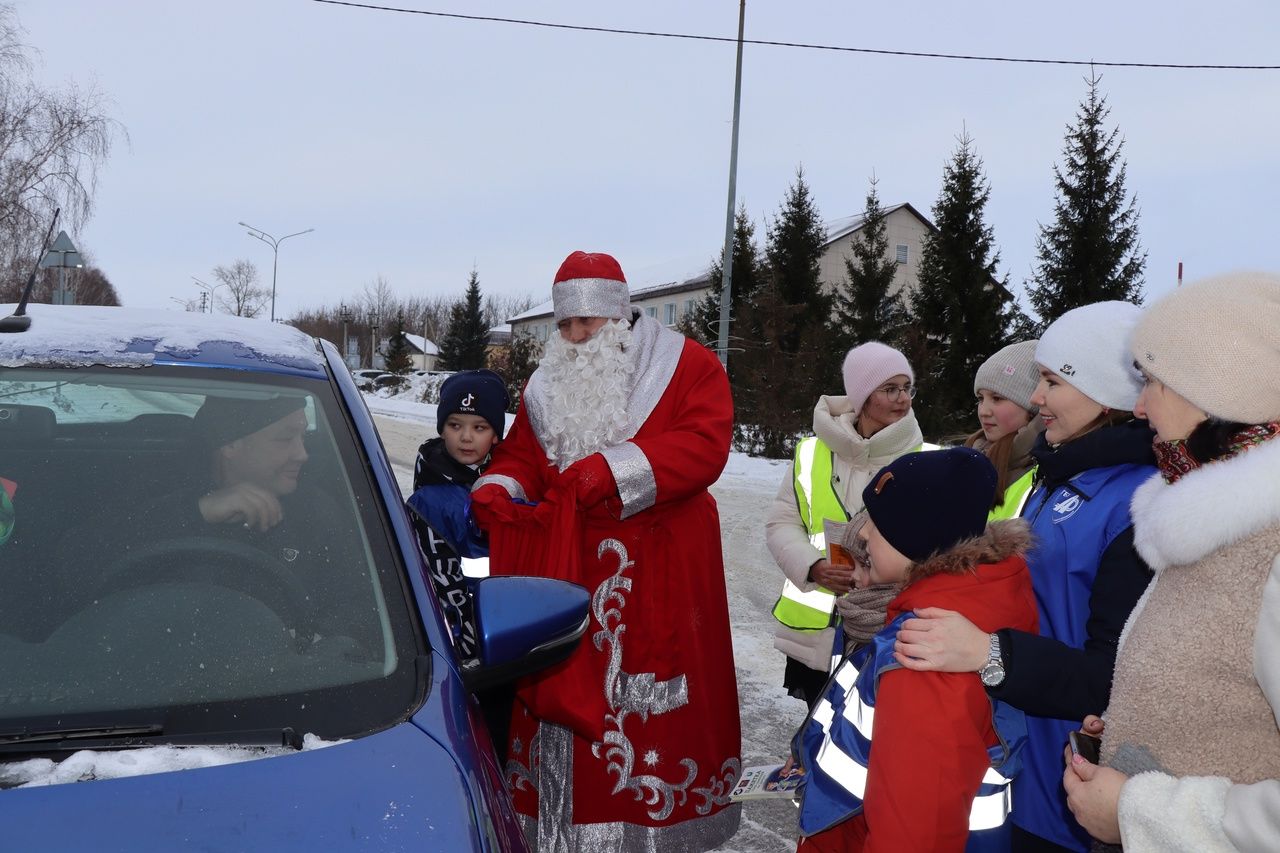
418,146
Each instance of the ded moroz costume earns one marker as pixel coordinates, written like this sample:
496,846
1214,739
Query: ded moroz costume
633,743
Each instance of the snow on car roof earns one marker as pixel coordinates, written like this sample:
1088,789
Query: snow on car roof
83,335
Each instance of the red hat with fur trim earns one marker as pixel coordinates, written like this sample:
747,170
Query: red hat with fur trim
590,284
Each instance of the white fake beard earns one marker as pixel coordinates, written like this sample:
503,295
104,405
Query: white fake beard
587,389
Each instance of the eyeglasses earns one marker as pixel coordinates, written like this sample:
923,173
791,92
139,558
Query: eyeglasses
893,392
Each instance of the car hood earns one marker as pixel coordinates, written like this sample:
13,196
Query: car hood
394,790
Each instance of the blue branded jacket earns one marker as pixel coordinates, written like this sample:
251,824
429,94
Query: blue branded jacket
1087,578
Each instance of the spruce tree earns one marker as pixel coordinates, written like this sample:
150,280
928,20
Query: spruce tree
786,362
863,308
793,247
398,359
962,312
516,364
773,406
466,343
1090,252
747,276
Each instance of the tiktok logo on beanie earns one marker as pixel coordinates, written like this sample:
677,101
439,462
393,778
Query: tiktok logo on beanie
468,402
1067,507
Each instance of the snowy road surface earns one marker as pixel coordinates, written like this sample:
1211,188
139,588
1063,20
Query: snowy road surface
769,716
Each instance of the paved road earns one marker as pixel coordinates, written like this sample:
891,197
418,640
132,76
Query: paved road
769,717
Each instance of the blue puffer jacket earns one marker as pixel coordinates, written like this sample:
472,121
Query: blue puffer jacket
1087,578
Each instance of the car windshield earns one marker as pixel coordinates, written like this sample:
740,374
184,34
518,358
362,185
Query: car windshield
197,550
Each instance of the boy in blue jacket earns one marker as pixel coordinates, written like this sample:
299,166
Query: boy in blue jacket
469,418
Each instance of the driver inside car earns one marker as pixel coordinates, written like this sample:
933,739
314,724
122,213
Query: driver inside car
245,489
256,454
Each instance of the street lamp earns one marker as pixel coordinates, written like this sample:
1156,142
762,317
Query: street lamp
206,295
275,255
373,336
346,315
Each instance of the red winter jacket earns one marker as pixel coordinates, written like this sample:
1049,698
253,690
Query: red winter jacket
932,729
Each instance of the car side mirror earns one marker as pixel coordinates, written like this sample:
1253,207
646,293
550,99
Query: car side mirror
524,625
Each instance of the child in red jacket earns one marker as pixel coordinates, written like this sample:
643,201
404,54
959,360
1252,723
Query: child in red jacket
943,751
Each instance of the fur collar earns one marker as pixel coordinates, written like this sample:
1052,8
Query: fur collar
834,422
1000,541
1175,524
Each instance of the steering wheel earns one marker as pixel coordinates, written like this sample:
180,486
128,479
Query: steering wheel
222,562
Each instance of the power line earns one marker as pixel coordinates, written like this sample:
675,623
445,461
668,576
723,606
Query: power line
802,45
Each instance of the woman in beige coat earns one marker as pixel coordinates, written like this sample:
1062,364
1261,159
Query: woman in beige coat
1191,750
855,435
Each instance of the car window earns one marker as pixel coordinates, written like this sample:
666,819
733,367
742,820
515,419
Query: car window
197,545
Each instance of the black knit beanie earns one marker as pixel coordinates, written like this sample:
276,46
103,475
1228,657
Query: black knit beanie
474,392
222,420
925,503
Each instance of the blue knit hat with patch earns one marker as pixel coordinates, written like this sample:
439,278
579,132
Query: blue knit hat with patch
474,392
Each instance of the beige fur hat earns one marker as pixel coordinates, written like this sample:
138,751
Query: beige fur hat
1217,343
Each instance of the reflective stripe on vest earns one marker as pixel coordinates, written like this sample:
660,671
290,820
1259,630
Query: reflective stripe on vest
1015,497
816,501
835,744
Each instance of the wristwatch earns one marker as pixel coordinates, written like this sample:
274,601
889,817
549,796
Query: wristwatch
992,672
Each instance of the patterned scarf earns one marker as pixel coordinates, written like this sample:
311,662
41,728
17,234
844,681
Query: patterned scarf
1175,461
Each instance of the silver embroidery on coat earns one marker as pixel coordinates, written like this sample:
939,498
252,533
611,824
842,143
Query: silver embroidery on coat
633,693
551,773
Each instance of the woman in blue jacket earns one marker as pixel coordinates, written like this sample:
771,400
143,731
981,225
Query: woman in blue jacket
1087,577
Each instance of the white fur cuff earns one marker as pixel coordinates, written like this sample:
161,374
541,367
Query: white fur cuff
1160,813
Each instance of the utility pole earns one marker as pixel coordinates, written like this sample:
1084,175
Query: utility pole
726,265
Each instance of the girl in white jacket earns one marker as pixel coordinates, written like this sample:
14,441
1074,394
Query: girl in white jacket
859,433
1191,746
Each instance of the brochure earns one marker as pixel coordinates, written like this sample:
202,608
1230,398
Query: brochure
766,781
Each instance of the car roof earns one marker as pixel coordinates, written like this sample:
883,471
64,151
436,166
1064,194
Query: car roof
84,335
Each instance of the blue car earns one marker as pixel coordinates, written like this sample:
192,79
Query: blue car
216,631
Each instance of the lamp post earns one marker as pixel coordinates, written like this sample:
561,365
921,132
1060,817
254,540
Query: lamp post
373,336
346,315
275,255
206,294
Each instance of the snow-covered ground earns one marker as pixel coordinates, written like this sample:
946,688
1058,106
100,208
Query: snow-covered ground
769,716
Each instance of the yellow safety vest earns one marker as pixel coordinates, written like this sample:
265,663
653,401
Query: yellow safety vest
1015,497
817,501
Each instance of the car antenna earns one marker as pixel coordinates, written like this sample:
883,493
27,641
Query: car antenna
18,321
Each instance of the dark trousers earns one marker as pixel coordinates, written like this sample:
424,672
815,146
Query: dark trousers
1026,842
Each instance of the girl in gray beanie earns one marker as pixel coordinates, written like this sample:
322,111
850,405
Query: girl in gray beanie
1010,423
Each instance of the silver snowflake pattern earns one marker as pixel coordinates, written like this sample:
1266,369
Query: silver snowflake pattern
651,758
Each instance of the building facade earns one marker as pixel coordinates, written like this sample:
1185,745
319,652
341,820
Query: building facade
669,303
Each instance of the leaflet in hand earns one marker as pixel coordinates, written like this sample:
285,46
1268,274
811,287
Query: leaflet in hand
766,781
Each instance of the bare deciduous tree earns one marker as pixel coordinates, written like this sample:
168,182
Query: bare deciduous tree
501,307
52,143
245,298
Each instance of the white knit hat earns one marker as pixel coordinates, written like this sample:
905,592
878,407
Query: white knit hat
1089,348
1217,344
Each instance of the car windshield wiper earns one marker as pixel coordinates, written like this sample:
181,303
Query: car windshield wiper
116,732
144,734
